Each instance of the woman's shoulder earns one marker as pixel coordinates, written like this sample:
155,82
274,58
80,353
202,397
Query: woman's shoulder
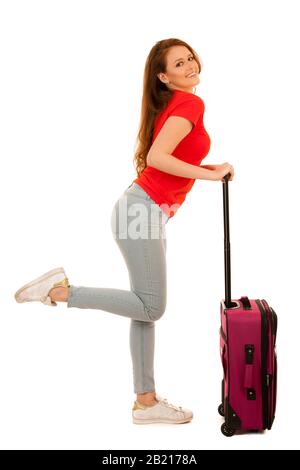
180,95
180,101
184,97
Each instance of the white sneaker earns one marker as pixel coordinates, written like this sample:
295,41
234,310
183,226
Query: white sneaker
162,412
38,289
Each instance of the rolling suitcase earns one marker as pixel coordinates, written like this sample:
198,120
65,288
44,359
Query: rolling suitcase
248,354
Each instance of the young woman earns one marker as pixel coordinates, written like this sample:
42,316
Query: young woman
171,144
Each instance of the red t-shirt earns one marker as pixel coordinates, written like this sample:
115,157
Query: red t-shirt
169,190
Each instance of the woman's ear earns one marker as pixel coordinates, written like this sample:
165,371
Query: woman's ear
162,78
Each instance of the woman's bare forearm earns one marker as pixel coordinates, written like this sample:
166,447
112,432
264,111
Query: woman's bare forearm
209,167
174,166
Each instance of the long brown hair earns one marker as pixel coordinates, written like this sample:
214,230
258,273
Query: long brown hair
155,97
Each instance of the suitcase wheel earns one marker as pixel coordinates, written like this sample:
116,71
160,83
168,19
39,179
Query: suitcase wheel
221,410
228,432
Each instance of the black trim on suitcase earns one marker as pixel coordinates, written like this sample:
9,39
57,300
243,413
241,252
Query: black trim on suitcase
275,388
249,352
274,391
272,379
264,352
249,360
251,394
223,394
231,418
273,317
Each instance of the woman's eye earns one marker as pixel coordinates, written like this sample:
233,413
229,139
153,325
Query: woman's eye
182,62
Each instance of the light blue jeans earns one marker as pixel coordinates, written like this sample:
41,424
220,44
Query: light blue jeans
138,226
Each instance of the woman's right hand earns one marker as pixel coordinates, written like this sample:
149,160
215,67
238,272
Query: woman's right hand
222,170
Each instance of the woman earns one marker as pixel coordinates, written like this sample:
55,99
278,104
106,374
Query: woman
172,142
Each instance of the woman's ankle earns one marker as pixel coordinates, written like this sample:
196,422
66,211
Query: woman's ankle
147,398
59,294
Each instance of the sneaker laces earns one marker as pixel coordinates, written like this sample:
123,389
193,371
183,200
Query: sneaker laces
165,402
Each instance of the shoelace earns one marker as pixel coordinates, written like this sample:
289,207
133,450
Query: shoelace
165,402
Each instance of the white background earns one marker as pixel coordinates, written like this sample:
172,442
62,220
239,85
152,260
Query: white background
71,88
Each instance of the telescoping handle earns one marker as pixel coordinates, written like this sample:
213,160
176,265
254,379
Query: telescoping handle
226,241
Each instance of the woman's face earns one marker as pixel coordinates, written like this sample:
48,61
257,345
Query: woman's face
180,64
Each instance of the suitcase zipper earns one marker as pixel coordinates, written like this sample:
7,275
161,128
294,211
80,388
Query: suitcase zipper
275,388
273,391
264,375
269,376
273,323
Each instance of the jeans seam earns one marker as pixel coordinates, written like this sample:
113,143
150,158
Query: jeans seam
143,364
150,285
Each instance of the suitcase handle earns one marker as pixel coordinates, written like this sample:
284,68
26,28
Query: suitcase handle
248,377
246,303
226,178
228,302
249,372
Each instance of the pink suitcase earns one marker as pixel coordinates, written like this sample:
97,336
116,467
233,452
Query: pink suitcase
248,354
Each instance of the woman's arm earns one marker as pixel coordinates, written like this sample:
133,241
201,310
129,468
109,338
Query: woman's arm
209,167
160,154
165,162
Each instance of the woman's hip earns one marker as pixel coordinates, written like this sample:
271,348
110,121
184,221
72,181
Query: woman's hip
136,215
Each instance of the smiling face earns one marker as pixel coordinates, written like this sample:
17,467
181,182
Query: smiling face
180,64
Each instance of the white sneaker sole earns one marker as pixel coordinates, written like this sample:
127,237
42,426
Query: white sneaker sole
37,280
159,420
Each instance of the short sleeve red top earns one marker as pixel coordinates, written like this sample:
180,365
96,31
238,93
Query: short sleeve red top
169,190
